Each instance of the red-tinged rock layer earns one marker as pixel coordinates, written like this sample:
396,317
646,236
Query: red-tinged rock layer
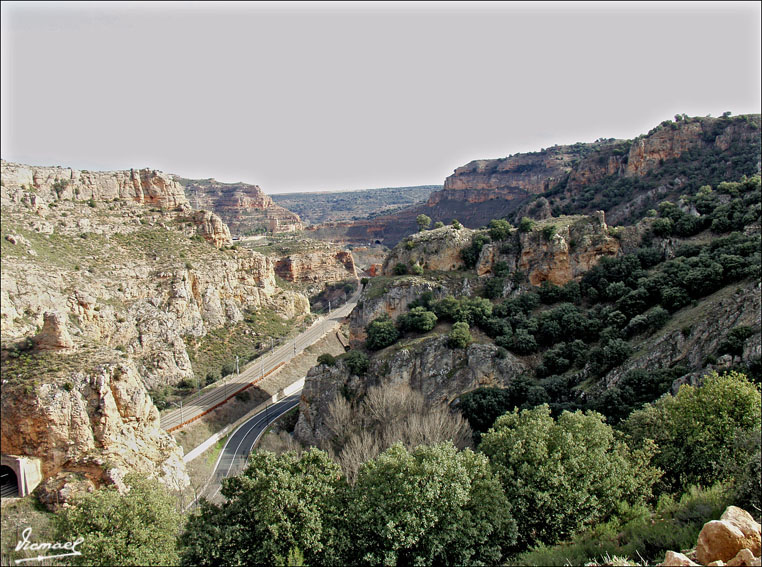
244,208
317,267
89,428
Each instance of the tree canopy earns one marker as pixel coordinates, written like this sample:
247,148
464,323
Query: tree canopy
138,527
562,475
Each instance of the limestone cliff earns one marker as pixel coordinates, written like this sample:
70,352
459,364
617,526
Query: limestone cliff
435,250
145,186
127,276
644,167
557,250
511,177
320,266
88,428
427,365
38,188
244,208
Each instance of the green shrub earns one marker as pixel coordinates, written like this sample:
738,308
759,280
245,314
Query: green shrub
381,333
499,229
459,336
526,225
696,430
357,362
564,475
548,232
327,359
418,320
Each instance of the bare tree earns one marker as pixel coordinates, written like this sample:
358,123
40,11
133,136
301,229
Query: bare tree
279,443
341,420
360,447
389,414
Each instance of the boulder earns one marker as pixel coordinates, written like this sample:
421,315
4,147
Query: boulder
743,558
674,559
719,540
743,521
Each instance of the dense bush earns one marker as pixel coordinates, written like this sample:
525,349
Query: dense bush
357,362
327,359
563,475
381,332
135,528
418,320
638,533
429,506
459,336
696,430
499,229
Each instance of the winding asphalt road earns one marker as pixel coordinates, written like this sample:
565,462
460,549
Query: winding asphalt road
196,405
234,454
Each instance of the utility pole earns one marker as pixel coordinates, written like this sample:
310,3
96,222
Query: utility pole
236,366
329,307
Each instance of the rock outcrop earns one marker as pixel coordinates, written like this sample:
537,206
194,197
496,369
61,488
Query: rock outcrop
733,540
321,266
144,186
126,276
427,365
393,301
483,190
434,250
575,245
244,208
89,428
54,335
211,228
556,250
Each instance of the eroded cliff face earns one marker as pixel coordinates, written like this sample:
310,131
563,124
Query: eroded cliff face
511,177
556,250
243,207
435,250
575,245
320,266
88,428
483,190
427,365
144,186
40,188
127,276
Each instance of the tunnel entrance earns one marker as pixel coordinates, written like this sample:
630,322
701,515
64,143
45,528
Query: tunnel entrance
9,482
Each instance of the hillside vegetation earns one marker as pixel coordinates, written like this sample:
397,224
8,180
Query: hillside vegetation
322,207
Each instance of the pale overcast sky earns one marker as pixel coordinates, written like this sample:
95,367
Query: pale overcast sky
304,97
